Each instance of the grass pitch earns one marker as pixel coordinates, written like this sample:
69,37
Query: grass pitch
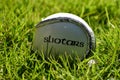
17,24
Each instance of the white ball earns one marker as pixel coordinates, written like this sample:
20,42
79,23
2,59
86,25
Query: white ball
64,33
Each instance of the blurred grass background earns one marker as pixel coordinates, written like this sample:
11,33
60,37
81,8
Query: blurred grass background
17,24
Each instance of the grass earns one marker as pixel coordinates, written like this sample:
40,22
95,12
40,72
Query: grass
17,25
